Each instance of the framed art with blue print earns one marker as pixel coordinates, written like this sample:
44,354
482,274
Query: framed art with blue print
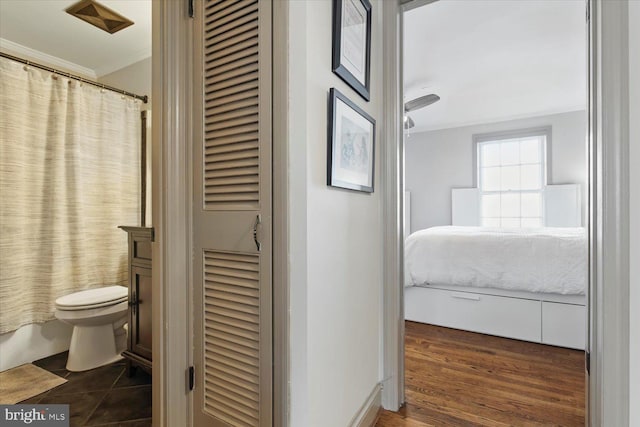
351,145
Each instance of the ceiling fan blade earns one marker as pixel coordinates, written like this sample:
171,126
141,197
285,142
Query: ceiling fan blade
408,122
420,102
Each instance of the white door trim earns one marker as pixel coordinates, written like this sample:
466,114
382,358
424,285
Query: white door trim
608,402
609,214
172,195
393,211
280,156
171,215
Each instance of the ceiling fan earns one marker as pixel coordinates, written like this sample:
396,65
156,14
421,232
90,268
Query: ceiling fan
416,104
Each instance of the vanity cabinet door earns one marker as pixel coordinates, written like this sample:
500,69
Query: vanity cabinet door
138,352
140,324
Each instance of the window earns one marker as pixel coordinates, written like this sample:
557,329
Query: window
511,173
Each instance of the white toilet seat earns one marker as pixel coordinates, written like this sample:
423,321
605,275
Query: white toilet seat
92,298
95,313
89,307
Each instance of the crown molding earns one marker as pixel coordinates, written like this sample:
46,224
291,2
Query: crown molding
45,59
53,61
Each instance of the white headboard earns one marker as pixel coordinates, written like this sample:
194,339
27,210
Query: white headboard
465,206
562,206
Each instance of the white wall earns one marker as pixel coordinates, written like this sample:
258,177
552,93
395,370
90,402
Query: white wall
336,237
634,163
135,78
437,161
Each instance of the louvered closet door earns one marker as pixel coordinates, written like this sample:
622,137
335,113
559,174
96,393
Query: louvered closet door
232,197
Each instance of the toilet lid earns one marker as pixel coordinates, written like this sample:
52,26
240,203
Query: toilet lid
94,297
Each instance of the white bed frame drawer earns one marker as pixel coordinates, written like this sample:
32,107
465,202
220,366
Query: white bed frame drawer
563,324
489,314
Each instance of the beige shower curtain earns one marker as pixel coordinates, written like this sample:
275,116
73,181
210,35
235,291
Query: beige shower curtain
69,176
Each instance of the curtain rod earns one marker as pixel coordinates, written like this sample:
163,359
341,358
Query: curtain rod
143,98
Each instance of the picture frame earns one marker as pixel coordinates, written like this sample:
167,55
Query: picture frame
350,145
352,44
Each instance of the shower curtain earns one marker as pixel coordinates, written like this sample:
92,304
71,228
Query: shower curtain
69,176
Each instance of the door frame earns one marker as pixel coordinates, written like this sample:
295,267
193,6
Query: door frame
608,142
608,386
171,214
280,209
172,32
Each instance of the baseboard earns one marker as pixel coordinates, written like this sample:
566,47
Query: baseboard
33,342
368,413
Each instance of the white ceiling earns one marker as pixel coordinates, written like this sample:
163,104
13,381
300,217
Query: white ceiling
44,26
494,60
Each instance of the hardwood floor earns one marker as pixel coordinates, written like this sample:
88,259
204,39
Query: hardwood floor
459,378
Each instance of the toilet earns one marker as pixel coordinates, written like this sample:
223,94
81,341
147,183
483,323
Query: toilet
98,317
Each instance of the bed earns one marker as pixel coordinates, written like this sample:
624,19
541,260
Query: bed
527,284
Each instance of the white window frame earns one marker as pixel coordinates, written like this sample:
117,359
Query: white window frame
500,137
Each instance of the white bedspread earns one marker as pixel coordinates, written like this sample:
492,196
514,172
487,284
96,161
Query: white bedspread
549,260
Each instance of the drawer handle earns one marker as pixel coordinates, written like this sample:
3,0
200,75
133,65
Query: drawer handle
466,296
134,302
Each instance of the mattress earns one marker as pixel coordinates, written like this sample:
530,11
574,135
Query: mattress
548,260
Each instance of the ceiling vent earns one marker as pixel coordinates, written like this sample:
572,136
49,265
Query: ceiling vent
98,15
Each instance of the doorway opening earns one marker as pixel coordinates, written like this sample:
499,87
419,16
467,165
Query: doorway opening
75,126
495,151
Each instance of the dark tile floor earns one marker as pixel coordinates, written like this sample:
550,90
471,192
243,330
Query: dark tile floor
104,396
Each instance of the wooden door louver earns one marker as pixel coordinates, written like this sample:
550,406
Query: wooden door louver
232,214
232,337
231,104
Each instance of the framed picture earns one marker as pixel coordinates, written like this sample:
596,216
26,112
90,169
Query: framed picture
352,43
351,145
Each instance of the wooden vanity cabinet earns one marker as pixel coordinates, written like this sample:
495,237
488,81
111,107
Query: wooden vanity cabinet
139,341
